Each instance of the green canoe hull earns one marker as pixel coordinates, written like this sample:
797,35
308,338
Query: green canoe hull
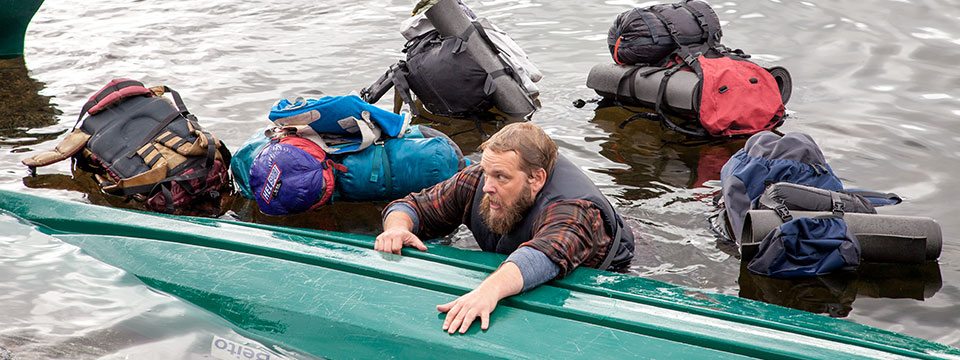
330,294
14,18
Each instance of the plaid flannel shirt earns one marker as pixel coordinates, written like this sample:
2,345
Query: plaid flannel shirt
568,232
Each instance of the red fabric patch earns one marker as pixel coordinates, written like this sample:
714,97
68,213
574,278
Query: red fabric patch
314,150
115,94
306,145
732,104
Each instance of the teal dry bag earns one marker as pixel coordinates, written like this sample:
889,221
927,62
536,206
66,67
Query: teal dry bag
396,167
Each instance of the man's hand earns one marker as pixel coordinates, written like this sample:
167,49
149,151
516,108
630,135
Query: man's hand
392,240
480,302
396,234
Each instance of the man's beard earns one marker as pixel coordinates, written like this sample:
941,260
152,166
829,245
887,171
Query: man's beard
511,216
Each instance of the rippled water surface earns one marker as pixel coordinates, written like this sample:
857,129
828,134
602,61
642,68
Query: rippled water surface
874,83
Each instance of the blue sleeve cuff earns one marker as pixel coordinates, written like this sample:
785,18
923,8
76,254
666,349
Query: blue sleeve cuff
535,267
407,209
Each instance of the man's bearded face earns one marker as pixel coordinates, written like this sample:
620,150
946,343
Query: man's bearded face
507,215
508,194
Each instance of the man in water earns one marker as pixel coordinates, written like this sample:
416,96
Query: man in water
523,200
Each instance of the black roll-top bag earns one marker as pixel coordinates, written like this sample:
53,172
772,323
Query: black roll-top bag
639,37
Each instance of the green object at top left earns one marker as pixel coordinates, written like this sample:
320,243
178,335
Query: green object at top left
14,19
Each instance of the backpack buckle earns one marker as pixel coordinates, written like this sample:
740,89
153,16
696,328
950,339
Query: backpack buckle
690,58
783,212
838,208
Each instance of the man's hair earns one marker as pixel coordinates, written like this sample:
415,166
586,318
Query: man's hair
535,149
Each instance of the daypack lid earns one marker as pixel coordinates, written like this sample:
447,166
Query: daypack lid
325,115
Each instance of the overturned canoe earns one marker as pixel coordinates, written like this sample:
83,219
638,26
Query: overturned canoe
330,294
14,20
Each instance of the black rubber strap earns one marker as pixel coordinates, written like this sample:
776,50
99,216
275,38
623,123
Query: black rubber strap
402,87
607,260
705,28
178,144
462,39
630,76
168,197
177,100
671,27
661,95
653,34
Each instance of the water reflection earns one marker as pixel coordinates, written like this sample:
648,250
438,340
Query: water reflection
468,133
23,106
84,182
834,294
658,160
343,216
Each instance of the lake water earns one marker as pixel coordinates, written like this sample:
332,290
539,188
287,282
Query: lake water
874,84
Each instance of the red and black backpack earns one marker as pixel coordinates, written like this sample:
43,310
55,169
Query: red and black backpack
737,96
139,144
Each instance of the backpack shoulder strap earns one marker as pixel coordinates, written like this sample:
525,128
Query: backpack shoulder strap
661,96
70,145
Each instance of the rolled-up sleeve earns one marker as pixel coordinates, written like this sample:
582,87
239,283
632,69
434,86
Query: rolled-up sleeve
440,209
535,267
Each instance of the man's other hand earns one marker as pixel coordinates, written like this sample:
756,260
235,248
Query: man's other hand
480,302
394,239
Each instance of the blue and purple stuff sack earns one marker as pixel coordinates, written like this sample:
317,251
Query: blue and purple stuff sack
291,175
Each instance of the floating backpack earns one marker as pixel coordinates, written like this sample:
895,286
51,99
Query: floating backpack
446,79
448,82
243,159
790,173
736,96
765,159
139,144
